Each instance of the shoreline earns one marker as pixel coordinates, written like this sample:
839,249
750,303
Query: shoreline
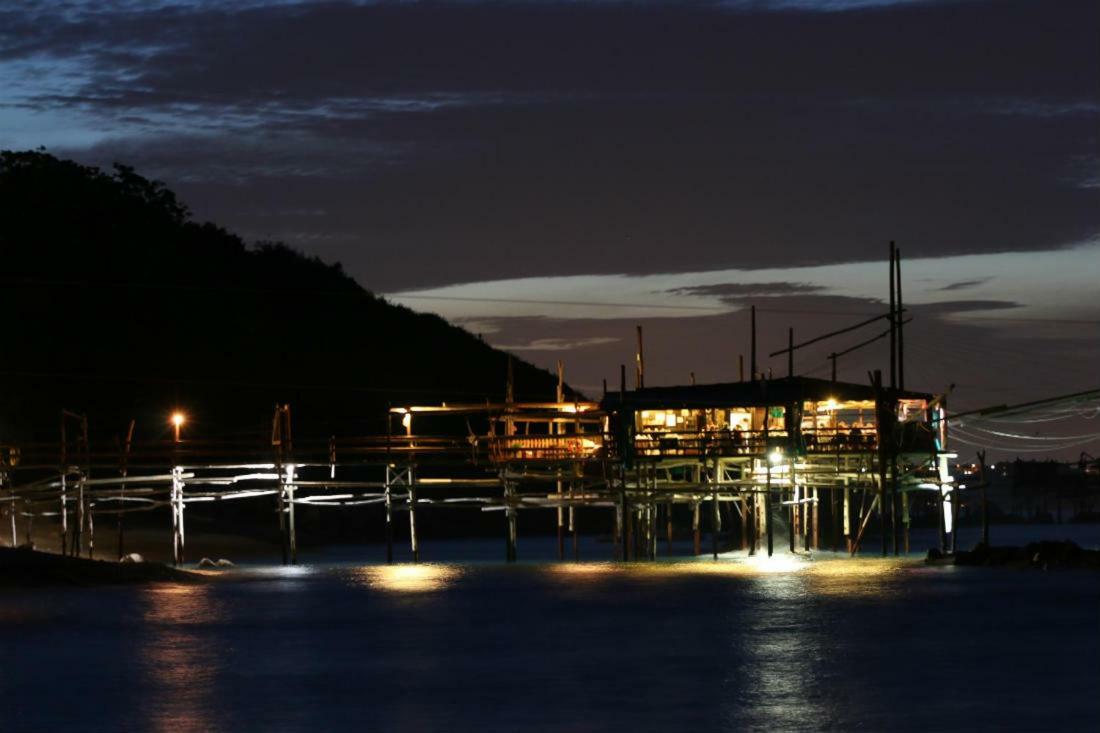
26,568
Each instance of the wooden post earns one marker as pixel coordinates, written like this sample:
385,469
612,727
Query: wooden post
793,518
893,325
85,474
940,517
954,518
847,516
815,515
752,361
11,514
905,519
617,539
668,526
741,367
834,515
985,505
556,429
62,470
832,358
695,530
573,526
414,541
81,516
883,433
561,521
178,536
291,525
898,318
640,357
895,502
744,521
389,515
716,519
123,470
790,352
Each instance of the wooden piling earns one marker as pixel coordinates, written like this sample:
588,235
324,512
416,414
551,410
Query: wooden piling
815,515
695,529
744,521
835,518
573,530
292,528
617,540
716,520
414,541
668,527
846,515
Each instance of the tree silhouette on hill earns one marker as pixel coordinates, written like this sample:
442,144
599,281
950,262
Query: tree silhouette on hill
118,304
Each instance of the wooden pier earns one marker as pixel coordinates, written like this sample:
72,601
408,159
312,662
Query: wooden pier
820,459
814,460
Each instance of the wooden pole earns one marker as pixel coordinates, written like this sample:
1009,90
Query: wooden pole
573,527
741,367
557,429
744,521
389,488
389,515
815,515
715,520
883,437
905,518
695,529
834,515
790,352
617,539
123,468
847,516
63,470
292,528
898,319
954,518
668,527
832,358
414,541
640,358
752,361
85,474
893,325
11,514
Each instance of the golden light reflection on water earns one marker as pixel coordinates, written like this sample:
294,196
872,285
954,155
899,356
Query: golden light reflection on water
182,668
409,578
829,576
180,604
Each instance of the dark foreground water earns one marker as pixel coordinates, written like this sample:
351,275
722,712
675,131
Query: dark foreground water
695,646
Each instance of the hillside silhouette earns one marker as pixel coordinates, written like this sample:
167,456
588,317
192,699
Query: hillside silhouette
118,304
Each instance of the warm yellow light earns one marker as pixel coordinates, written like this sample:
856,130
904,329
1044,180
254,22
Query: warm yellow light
178,418
830,404
409,578
775,457
406,420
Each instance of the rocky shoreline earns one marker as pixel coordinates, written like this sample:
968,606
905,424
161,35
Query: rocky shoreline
24,567
1046,555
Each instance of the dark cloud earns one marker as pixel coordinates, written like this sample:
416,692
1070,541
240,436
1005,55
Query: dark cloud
739,292
964,284
465,141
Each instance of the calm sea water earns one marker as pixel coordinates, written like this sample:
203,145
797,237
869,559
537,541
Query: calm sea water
690,645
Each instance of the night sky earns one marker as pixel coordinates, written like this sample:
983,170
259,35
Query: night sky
533,160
